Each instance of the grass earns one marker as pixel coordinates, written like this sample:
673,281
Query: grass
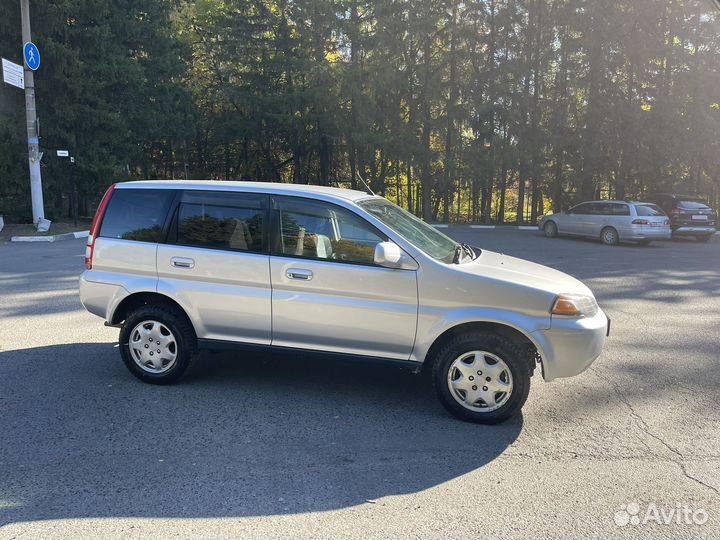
28,229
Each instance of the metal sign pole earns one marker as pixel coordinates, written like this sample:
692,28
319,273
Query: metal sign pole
34,155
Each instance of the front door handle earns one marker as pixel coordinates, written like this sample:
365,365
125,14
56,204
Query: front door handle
299,273
182,262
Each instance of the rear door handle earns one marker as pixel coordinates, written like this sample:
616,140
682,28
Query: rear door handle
182,262
299,273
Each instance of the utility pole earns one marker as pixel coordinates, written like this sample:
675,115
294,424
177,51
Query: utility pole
34,155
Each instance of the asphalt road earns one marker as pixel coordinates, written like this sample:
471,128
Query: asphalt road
271,447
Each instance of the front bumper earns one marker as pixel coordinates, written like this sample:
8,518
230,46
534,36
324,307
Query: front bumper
570,345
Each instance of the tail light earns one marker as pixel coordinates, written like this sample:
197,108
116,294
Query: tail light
95,227
640,222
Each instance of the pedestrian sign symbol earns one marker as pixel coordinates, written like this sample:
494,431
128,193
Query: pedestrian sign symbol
32,56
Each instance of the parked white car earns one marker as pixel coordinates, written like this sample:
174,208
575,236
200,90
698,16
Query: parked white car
611,222
180,266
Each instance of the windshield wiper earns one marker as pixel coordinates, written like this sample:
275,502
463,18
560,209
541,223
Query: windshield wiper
460,249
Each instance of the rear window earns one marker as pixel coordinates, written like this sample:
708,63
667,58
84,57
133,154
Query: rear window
137,214
648,210
693,205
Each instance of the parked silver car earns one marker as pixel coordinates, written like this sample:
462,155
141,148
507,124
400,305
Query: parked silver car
181,266
610,221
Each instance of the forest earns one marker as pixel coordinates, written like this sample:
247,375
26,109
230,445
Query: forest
476,112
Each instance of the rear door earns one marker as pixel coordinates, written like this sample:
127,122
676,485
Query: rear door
597,218
215,263
328,295
621,219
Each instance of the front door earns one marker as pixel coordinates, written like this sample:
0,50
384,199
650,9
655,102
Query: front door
327,294
576,221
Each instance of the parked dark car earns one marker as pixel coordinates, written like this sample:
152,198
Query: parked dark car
690,215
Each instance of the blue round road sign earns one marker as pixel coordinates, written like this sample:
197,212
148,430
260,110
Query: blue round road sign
32,55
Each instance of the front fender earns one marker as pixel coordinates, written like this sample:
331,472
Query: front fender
432,323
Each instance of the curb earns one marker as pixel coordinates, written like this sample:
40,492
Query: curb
502,227
56,238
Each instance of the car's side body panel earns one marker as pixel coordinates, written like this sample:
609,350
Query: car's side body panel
227,294
344,308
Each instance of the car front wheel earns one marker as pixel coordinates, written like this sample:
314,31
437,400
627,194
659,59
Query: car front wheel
550,229
481,377
157,344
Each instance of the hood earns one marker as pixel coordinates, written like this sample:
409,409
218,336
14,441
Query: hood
519,272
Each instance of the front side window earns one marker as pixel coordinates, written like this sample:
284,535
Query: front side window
414,230
322,231
232,222
581,209
137,214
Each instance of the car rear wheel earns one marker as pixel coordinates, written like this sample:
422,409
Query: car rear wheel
158,344
550,229
609,236
481,377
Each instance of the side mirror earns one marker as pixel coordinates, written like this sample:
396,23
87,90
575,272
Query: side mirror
389,255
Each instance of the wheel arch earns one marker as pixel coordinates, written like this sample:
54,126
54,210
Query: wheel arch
144,298
533,354
606,227
555,224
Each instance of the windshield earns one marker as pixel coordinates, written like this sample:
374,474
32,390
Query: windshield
414,230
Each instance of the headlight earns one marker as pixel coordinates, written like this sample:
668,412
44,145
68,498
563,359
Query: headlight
574,305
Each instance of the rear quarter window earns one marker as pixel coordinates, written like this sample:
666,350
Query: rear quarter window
137,214
648,210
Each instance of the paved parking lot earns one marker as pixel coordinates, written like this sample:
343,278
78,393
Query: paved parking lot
272,447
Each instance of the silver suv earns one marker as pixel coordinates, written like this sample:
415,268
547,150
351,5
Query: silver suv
184,266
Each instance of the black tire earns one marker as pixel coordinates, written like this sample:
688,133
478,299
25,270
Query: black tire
704,237
609,236
550,229
184,336
511,354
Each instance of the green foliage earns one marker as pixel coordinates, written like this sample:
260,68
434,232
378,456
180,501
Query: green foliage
487,110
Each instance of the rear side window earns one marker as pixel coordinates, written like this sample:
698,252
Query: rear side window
620,210
137,214
648,210
601,209
221,221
